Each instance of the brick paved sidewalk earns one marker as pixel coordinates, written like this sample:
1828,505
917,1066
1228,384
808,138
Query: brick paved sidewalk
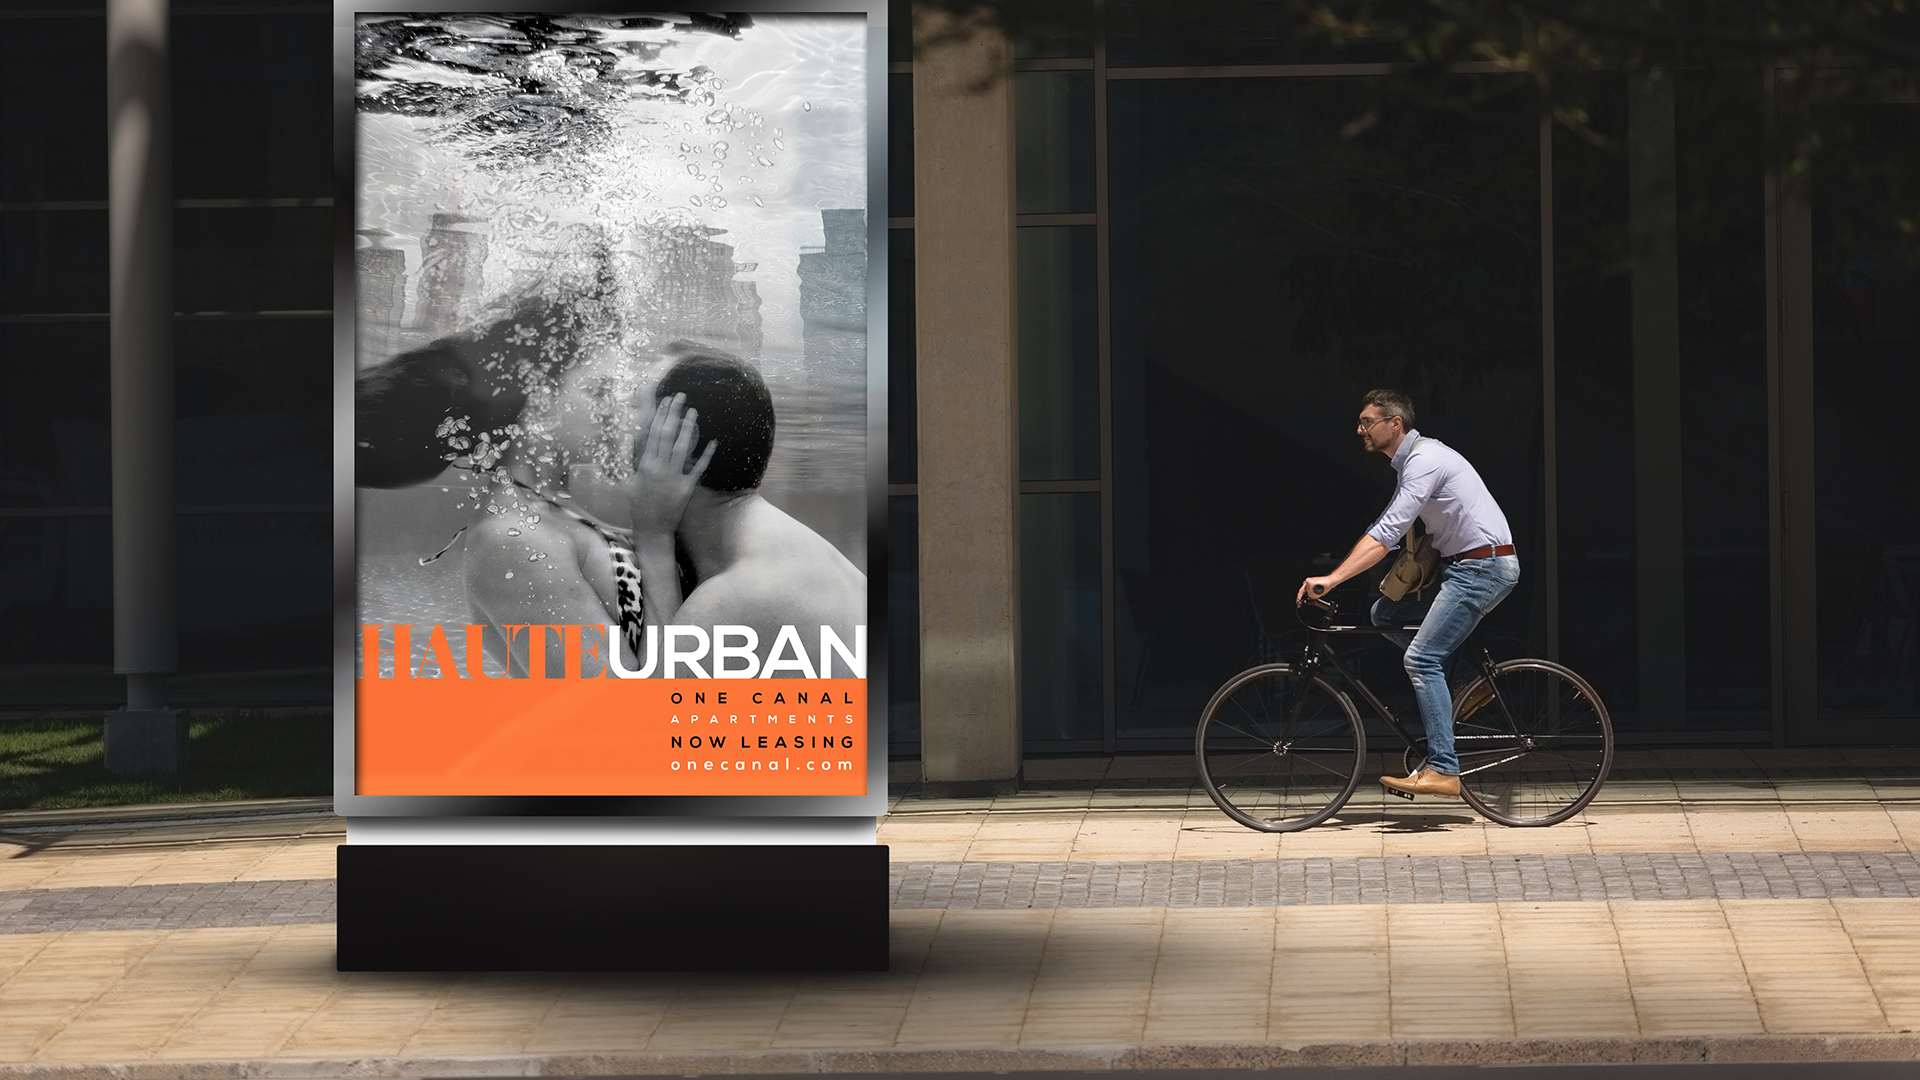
1701,911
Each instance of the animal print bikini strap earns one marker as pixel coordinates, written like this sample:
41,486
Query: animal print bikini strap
626,570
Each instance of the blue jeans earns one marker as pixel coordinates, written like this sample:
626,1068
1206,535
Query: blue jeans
1467,591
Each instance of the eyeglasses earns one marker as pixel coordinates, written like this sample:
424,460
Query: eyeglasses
1366,424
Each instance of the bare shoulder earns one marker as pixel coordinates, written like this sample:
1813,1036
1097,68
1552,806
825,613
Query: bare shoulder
790,576
511,537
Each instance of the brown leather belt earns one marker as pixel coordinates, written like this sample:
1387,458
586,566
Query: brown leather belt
1485,551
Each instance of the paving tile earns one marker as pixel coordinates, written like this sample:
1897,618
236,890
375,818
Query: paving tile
1755,829
976,979
20,870
1434,827
1636,829
258,1031
1566,971
1214,836
104,868
120,1027
849,1011
224,862
1095,978
368,1014
1114,836
601,1012
74,969
1331,975
1354,833
29,1025
1571,837
1844,829
1448,972
1886,937
493,1014
1213,978
1685,970
316,858
1805,975
725,1012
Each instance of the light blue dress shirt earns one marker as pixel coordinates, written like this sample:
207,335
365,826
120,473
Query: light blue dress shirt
1439,487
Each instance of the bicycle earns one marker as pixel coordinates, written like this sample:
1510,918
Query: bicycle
1281,748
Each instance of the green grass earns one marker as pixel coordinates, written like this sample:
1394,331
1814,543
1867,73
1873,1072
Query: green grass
58,762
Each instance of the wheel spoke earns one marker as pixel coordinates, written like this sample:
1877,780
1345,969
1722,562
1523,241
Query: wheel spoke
1279,751
1539,750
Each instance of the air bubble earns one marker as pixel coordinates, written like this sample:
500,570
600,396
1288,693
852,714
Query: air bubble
757,202
779,145
806,106
764,162
533,519
695,200
509,574
513,532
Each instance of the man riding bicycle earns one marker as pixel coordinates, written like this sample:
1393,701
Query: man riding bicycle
1478,569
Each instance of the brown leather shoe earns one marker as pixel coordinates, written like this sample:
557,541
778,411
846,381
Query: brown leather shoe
1425,782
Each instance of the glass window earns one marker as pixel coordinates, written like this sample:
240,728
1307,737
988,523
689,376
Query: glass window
1267,271
1059,353
903,619
1053,142
254,406
53,261
1150,33
1060,683
1866,358
1662,402
53,415
1068,32
252,106
903,421
59,575
53,108
900,145
253,259
256,592
899,31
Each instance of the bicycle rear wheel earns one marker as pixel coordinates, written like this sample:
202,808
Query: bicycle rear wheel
1534,750
1279,750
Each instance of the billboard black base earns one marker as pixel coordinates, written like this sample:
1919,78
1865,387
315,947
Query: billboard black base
511,907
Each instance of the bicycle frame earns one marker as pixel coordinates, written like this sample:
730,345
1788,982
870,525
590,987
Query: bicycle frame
1317,651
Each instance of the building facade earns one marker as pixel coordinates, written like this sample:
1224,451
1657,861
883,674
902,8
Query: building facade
1139,282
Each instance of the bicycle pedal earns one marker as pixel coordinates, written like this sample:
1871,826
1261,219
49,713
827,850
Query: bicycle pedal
1407,795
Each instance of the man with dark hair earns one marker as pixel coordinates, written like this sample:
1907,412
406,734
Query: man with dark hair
735,409
1479,568
756,567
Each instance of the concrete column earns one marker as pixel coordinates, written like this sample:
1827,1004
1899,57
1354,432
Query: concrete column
968,407
145,736
1659,535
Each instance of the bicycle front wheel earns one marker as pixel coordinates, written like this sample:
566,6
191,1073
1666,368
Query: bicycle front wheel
1535,746
1279,750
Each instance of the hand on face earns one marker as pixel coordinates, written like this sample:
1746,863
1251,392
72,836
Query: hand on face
665,471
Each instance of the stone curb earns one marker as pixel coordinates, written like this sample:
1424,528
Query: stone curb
165,813
1903,1046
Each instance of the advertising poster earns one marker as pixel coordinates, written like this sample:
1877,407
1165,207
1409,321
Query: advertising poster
610,404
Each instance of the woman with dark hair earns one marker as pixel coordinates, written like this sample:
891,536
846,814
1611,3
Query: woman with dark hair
417,413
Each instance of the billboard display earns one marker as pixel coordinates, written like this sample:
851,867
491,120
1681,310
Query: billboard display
613,506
